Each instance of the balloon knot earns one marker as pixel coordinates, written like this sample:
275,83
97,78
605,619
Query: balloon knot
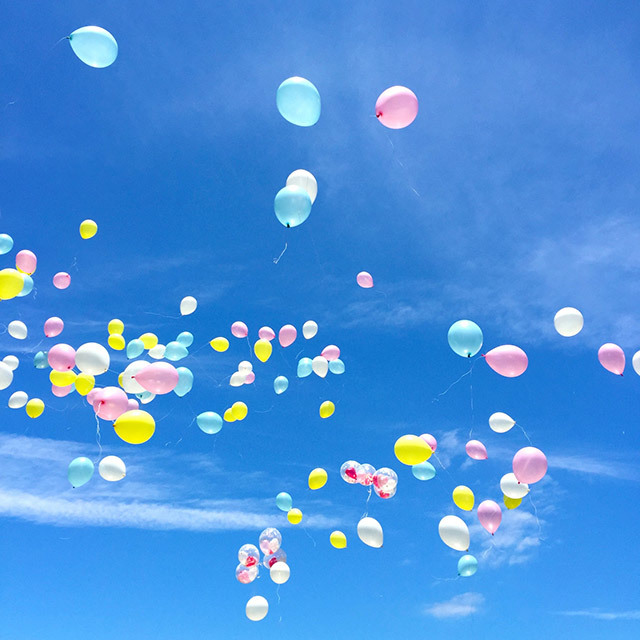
378,114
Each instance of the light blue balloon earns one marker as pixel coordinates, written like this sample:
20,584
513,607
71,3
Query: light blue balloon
134,348
336,366
280,384
298,102
145,395
95,46
305,367
40,360
284,501
209,422
465,338
185,339
185,381
292,205
6,243
175,351
423,471
27,287
80,471
467,566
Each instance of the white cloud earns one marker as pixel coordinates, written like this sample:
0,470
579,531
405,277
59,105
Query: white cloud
597,614
612,468
459,606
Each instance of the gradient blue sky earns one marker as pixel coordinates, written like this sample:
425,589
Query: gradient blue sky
513,194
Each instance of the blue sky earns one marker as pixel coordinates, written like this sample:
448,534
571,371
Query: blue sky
514,193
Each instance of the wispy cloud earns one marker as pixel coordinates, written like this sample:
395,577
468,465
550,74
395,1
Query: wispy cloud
612,468
598,614
459,606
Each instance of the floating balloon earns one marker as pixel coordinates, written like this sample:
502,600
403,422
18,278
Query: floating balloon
463,497
320,366
327,409
185,382
412,450
397,107
62,378
116,342
298,102
465,338
129,382
110,403
262,349
112,468
209,422
349,471
92,358
511,503
277,556
476,450
188,305
454,533
175,351
305,180
257,608
612,358
26,261
11,283
239,410
336,366
490,515
330,352
292,206
305,367
248,555
133,405
6,375
317,479
135,427
513,489
309,329
568,322
245,575
238,379
365,473
134,348
53,327
88,229
34,408
266,333
115,327
365,280
239,329
158,377
6,243
250,378
284,501
95,46
338,540
17,329
61,357
41,361
149,340
61,280
507,360
430,440
17,399
370,532
423,471
27,287
61,392
529,465
385,482
185,339
219,344
269,541
467,566
501,422
80,471
11,361
294,516
280,572
280,384
245,367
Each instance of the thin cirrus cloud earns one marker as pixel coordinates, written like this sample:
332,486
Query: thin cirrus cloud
597,614
460,606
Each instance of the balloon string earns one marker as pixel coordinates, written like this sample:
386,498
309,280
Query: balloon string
453,384
276,260
98,438
309,536
536,517
526,435
471,394
366,504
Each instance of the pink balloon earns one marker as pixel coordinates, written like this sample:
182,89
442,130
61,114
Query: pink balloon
476,450
239,329
490,515
529,465
397,107
53,327
158,377
611,357
61,392
110,403
287,335
508,360
61,280
365,280
331,352
430,440
251,376
26,261
132,404
92,395
61,357
266,333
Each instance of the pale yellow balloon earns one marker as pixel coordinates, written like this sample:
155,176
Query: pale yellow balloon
62,378
135,427
149,340
317,478
294,516
239,410
463,497
338,540
511,503
34,407
262,349
116,326
327,408
219,344
88,229
116,342
11,283
84,383
228,415
412,450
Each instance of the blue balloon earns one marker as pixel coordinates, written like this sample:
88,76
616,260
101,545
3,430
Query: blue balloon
80,471
6,243
185,382
467,566
145,396
280,384
284,502
95,46
298,102
305,367
209,422
40,360
423,471
185,339
336,366
27,287
134,348
292,205
465,338
175,351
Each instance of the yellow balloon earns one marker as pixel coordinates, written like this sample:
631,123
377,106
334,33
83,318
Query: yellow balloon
219,344
511,503
317,479
262,349
11,283
34,407
294,516
412,450
84,383
88,229
338,540
116,342
135,427
116,326
149,340
327,408
62,378
120,379
228,415
239,410
463,497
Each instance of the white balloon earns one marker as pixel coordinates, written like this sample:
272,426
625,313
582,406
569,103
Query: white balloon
6,375
511,488
309,329
17,329
92,358
18,400
370,532
501,422
454,533
245,367
188,305
237,379
112,468
128,383
257,608
11,361
306,180
568,322
157,352
280,572
636,362
320,366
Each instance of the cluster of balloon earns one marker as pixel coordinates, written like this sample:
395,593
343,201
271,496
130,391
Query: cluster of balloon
16,283
284,502
110,468
397,107
292,204
384,480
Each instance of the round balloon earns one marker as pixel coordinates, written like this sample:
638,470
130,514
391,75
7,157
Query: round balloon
239,329
501,422
61,280
292,206
284,501
397,107
17,329
423,471
490,515
11,283
338,540
248,555
476,450
294,516
80,471
112,468
365,280
309,329
209,422
88,229
270,540
18,399
92,358
135,427
60,357
463,497
26,261
454,533
188,305
6,243
370,532
611,357
298,102
257,608
465,338
327,409
53,327
349,471
245,574
280,572
568,322
412,450
529,465
513,489
467,566
305,180
95,46
317,479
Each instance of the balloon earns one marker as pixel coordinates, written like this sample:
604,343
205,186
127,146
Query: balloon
6,375
34,407
370,532
287,335
95,46
175,351
280,384
11,361
365,473
27,287
280,572
219,344
294,516
239,329
248,555
116,342
490,515
269,541
62,378
112,468
11,283
158,377
61,280
305,180
513,489
17,329
134,348
465,338
611,357
145,397
88,229
309,329
92,358
430,440
53,327
320,366
423,471
61,357
284,502
568,322
135,427
336,366
262,349
26,261
338,540
269,560
636,362
245,367
266,333
501,422
476,450
18,399
257,608
239,410
110,403
149,340
185,382
80,471
463,497
115,327
133,405
326,409
365,280
61,392
412,450
507,360
209,422
529,465
305,367
349,471
454,533
467,566
129,382
185,339
41,361
511,503
292,206
188,305
317,479
251,377
397,107
238,379
6,243
385,482
331,352
298,102
245,575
